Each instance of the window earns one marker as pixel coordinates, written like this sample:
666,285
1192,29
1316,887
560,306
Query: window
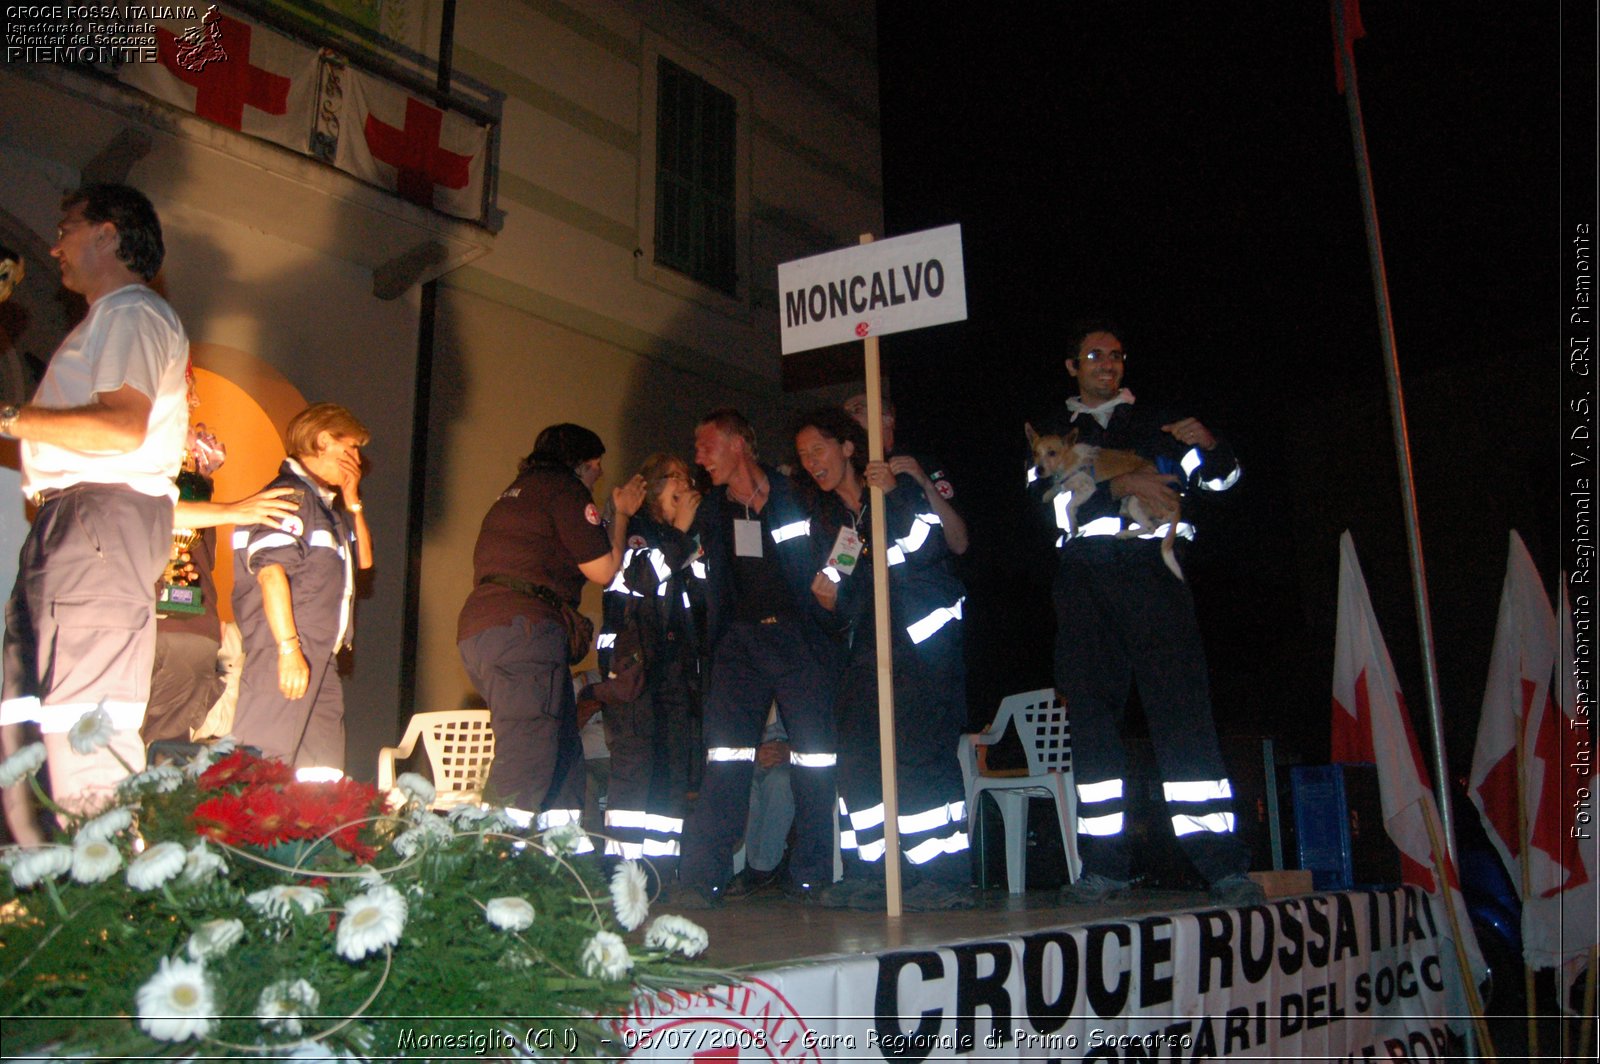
696,165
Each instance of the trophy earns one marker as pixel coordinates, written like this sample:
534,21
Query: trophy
181,592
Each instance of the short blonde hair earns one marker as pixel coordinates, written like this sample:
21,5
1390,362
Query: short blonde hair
300,438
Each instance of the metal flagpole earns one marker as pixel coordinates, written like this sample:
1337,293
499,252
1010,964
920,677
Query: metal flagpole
1397,417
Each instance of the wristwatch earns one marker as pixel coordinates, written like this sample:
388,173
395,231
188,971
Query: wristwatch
8,419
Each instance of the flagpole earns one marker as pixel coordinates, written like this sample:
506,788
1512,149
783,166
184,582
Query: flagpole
1524,840
1586,1026
1447,891
1397,416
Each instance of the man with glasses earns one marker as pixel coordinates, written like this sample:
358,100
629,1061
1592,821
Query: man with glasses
102,440
1122,616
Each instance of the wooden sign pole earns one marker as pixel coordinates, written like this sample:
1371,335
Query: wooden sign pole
880,599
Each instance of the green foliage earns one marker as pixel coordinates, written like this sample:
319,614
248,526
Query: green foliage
74,955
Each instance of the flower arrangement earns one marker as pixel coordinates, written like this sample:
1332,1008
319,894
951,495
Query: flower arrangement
221,908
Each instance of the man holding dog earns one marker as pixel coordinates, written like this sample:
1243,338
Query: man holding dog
1123,616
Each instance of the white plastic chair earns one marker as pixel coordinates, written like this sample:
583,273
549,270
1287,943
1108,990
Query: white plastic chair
1041,723
460,748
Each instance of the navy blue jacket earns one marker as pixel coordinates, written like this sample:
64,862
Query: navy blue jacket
787,513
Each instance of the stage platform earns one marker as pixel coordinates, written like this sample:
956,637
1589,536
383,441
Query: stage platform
1161,975
769,931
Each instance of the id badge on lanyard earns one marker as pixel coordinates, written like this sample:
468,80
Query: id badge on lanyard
746,538
846,553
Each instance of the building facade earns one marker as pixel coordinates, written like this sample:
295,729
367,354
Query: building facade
588,231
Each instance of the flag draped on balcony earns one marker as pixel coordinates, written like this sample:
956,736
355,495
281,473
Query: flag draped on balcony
236,73
396,139
252,79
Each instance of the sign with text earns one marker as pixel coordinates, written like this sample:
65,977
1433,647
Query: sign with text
1354,976
888,286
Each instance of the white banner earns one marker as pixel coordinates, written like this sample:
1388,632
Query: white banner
234,72
390,138
888,286
1356,975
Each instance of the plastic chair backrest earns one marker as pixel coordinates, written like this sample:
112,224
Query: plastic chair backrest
460,746
1041,722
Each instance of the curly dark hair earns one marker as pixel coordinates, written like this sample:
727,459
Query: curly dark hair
139,244
836,425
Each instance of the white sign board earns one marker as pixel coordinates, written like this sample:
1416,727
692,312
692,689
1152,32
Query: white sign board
888,286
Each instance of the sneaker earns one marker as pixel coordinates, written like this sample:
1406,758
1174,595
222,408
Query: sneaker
930,897
692,896
1093,888
1238,889
750,882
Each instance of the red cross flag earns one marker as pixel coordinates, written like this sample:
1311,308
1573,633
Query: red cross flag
1370,724
235,73
1521,717
430,156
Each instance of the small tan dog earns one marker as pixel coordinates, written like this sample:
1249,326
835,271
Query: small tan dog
1078,467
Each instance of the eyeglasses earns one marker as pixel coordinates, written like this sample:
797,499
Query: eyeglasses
1115,355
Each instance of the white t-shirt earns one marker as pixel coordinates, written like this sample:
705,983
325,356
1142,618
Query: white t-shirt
130,336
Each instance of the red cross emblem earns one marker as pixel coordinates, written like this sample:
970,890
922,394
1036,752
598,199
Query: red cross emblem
224,84
415,154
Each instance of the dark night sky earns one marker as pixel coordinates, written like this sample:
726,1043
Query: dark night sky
1188,168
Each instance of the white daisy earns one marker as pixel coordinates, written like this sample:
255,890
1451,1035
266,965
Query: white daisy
21,764
606,956
157,779
371,922
224,746
200,762
630,894
674,933
418,788
200,865
94,860
38,863
469,816
156,865
215,938
408,842
283,1004
430,829
104,826
277,902
563,839
91,732
509,914
177,1002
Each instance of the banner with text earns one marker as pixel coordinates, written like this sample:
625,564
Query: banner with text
888,286
1347,976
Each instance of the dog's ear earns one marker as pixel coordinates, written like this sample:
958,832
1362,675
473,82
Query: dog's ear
1033,437
1070,440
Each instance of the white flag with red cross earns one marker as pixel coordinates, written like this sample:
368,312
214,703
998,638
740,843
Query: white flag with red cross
234,72
401,141
1523,740
1579,914
1370,724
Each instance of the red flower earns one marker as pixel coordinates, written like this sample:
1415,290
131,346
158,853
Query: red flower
243,768
270,807
223,818
271,814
